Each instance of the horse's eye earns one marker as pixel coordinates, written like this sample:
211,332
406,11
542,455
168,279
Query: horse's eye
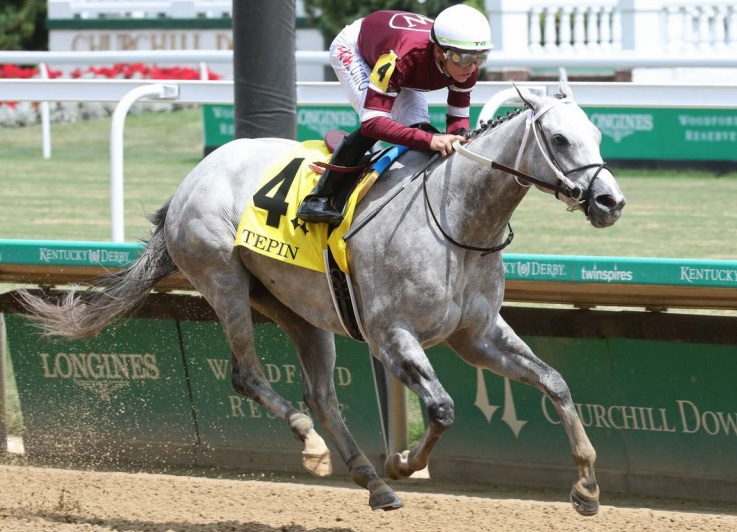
560,140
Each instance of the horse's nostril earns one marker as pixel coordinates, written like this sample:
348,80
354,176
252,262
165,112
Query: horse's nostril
607,201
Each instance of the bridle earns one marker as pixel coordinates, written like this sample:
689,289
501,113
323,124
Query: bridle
564,186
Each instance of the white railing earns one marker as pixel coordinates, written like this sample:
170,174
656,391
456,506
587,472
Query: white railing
645,26
497,59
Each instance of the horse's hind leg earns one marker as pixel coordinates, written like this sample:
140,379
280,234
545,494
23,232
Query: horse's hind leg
316,349
503,352
224,282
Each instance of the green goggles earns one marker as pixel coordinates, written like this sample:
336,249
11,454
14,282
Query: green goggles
466,59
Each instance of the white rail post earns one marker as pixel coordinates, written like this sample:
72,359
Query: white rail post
643,25
45,117
509,20
155,91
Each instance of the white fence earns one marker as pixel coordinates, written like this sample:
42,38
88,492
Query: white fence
646,26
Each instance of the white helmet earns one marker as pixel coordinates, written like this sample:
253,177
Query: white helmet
462,27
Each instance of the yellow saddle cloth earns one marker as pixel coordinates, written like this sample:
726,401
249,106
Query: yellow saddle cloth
270,226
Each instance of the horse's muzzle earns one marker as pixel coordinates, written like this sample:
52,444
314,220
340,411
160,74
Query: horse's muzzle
605,209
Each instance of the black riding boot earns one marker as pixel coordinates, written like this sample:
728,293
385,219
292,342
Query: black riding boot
316,206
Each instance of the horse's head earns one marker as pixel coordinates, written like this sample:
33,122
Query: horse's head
568,153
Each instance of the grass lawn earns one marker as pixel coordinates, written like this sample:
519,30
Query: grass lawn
68,197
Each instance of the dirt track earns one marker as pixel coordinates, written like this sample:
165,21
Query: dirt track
43,499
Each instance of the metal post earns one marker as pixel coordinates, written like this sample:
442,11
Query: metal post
157,91
398,417
269,26
3,417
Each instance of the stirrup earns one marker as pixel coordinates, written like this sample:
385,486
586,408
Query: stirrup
317,209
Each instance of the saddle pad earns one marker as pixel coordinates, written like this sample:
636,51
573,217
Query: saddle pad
270,226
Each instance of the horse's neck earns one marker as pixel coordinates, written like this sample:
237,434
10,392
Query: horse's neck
478,202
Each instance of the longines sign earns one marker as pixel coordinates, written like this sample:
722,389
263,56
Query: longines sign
125,385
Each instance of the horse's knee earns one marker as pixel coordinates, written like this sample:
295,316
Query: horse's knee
442,412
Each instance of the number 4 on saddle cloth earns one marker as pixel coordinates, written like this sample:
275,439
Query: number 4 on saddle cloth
270,226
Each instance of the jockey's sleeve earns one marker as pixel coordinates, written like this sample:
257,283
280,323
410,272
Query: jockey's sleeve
454,123
387,130
459,105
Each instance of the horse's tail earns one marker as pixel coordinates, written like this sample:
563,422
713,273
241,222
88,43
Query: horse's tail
83,313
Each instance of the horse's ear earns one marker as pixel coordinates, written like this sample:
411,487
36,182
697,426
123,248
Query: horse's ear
564,90
530,100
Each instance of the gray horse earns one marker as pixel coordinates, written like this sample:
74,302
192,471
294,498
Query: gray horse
424,271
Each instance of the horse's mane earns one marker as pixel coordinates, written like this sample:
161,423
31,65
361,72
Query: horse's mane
491,124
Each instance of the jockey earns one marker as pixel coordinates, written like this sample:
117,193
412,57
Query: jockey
385,63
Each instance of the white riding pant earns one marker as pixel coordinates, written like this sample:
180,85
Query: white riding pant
410,106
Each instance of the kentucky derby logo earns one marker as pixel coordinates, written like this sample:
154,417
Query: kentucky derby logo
618,126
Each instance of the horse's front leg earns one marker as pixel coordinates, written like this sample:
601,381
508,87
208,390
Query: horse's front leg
500,350
403,356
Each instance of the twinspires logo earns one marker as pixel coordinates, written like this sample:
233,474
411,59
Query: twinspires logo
618,126
612,275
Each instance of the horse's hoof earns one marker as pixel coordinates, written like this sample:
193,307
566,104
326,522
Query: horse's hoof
584,505
396,467
319,464
385,501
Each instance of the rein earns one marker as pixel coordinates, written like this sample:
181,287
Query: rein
485,251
